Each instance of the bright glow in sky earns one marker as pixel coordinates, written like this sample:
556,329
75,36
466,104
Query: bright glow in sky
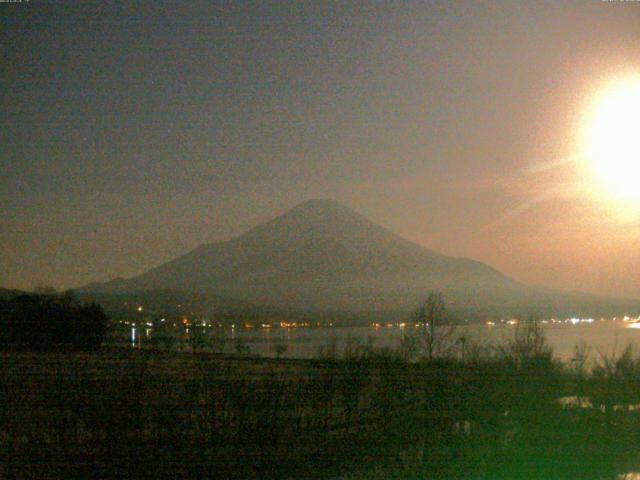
132,133
611,139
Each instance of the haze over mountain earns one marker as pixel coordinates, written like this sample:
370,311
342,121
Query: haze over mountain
322,256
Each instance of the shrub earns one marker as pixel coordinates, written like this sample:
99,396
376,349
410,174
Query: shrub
35,321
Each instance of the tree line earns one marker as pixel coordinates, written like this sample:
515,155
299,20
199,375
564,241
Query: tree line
46,320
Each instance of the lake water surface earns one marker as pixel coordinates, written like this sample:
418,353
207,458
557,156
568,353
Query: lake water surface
604,337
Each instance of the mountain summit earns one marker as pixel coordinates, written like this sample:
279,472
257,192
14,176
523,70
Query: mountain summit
323,256
326,221
319,254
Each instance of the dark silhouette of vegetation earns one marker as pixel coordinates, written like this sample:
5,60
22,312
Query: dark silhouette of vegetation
218,342
329,351
280,348
198,338
241,347
528,345
437,334
49,321
507,412
141,414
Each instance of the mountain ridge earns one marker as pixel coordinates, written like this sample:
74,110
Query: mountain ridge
322,255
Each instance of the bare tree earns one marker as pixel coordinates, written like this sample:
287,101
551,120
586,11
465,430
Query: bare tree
438,335
408,347
529,344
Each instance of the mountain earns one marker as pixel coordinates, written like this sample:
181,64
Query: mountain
322,256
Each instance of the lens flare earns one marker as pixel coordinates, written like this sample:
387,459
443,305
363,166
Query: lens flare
611,140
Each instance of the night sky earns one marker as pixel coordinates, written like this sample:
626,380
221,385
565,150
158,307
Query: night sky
133,132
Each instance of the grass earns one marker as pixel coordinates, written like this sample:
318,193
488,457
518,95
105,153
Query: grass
153,414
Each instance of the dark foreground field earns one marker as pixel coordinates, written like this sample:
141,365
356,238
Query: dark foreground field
142,414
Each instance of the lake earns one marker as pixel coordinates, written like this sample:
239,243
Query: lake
602,336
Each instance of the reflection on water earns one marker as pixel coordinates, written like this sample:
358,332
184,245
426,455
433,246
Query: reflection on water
603,337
